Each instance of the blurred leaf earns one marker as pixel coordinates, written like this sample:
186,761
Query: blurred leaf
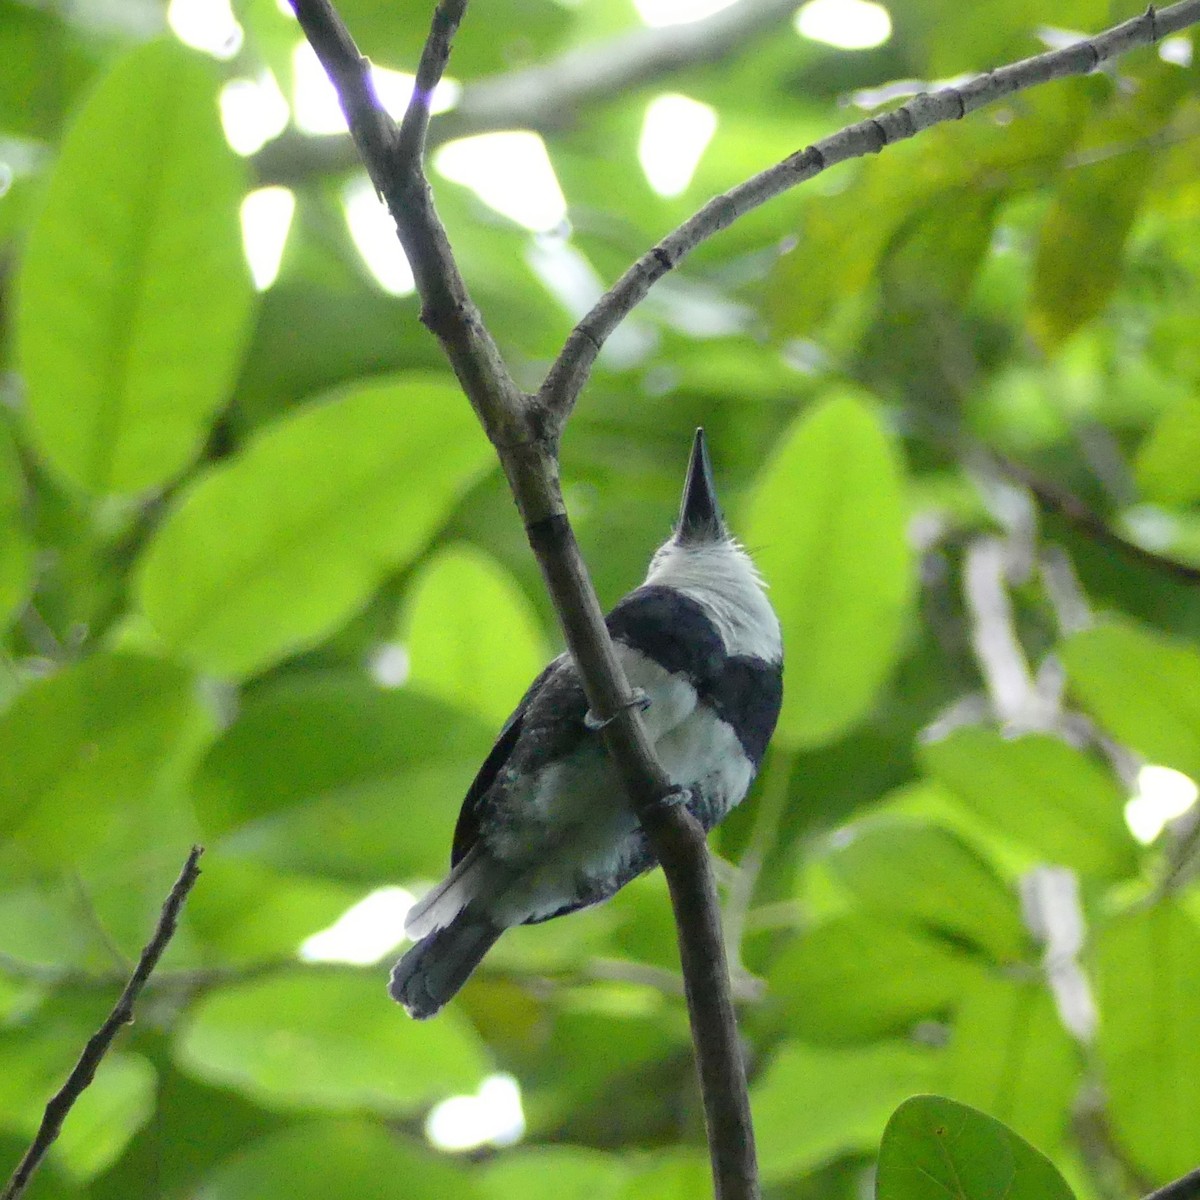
318,1040
1143,688
567,1172
934,1146
1148,971
855,977
134,296
827,528
1080,247
472,636
1010,1056
1039,791
335,1160
1168,461
82,746
16,547
267,553
333,775
813,1104
902,870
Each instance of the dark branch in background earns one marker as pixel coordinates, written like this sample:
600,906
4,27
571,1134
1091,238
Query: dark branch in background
525,431
1187,1187
1060,500
570,371
549,96
84,1070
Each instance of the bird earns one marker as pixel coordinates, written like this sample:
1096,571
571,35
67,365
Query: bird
545,828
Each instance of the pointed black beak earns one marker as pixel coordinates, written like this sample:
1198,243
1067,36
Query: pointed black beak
700,517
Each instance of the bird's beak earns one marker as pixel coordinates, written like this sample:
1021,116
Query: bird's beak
700,517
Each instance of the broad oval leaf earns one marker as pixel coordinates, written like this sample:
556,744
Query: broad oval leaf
937,1147
913,871
317,1040
472,636
266,554
134,295
335,1160
1143,688
827,527
81,747
1148,971
1042,793
813,1104
1168,461
334,776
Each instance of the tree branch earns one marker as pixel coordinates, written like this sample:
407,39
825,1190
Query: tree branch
1064,502
84,1070
1187,1187
549,96
570,371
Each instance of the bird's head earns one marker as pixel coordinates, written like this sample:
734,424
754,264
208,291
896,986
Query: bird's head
704,561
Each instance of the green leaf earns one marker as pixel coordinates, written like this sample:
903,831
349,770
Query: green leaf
1041,792
82,747
1010,1055
936,1147
268,553
335,1160
1168,461
813,1104
472,636
827,524
1143,688
566,1172
1148,971
856,977
905,870
333,775
336,1042
134,295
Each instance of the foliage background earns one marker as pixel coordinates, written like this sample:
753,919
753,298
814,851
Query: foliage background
218,508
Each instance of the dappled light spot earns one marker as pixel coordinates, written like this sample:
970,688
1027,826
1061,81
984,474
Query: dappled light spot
266,219
846,24
1162,795
365,932
491,1117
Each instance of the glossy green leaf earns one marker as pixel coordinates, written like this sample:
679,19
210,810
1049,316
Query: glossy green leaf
333,775
827,524
1143,688
312,1039
472,637
336,1160
1168,461
1041,792
1010,1056
1148,972
903,870
812,1104
80,748
269,552
134,295
937,1147
857,977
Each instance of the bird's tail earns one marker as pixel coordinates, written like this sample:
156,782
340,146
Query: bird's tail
439,964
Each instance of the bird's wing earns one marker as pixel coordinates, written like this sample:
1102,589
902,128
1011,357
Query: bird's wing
467,828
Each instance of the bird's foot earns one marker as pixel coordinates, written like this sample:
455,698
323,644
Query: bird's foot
639,700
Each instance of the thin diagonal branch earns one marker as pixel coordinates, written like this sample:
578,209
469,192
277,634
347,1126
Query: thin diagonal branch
570,371
84,1070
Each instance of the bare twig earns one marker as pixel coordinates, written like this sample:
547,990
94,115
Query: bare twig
84,1070
570,371
1064,502
551,95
